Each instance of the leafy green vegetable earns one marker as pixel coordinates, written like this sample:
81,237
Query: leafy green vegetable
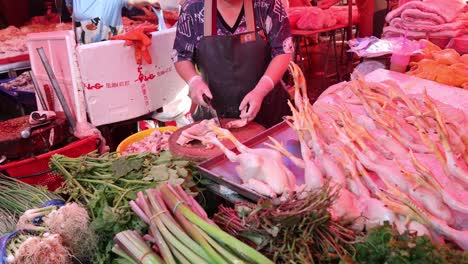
385,245
122,167
107,183
17,196
298,230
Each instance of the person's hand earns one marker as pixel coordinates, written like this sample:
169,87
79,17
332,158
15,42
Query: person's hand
141,42
198,88
252,102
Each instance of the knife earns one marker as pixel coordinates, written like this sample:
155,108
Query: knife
212,110
26,133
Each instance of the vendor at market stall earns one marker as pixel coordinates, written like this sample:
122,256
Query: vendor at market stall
96,20
242,53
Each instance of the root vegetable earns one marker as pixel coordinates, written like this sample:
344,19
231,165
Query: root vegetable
71,222
42,250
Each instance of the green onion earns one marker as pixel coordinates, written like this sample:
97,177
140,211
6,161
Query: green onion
17,197
194,233
136,248
176,237
7,221
212,230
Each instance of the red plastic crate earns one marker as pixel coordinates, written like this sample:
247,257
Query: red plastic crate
36,171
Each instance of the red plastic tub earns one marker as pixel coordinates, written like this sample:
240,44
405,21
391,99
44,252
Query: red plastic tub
36,171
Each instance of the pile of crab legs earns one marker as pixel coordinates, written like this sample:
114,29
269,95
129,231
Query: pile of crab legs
394,158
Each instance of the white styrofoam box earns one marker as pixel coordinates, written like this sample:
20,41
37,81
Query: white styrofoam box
117,89
59,48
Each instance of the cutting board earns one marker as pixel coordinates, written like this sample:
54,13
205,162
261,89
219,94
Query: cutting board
198,152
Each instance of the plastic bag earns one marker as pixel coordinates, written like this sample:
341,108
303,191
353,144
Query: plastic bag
55,202
372,47
4,244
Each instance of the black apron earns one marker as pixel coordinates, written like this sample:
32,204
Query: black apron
232,65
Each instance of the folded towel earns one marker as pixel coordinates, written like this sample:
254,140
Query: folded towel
438,11
392,31
415,26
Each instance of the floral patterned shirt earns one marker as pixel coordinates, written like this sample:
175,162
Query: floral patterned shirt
270,16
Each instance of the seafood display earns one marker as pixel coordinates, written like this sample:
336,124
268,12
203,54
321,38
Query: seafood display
21,83
13,40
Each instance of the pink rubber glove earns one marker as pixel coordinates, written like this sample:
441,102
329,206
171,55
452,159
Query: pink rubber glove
198,88
252,102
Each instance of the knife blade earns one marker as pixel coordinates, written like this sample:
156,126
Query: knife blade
212,110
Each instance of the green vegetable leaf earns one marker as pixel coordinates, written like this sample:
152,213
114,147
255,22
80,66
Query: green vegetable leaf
175,181
123,166
181,163
173,174
182,172
159,173
205,181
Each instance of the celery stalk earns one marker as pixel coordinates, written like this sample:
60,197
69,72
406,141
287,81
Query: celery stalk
161,242
212,230
172,240
119,252
224,252
179,256
173,233
132,243
195,234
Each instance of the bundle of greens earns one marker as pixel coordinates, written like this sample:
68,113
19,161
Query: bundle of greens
105,185
181,233
7,221
385,245
17,197
299,230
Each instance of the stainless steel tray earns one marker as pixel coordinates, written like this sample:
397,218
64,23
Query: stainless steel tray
222,171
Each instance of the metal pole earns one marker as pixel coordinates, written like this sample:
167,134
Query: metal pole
38,91
56,87
350,20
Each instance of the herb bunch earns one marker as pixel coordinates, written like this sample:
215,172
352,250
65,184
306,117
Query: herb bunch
385,245
299,230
